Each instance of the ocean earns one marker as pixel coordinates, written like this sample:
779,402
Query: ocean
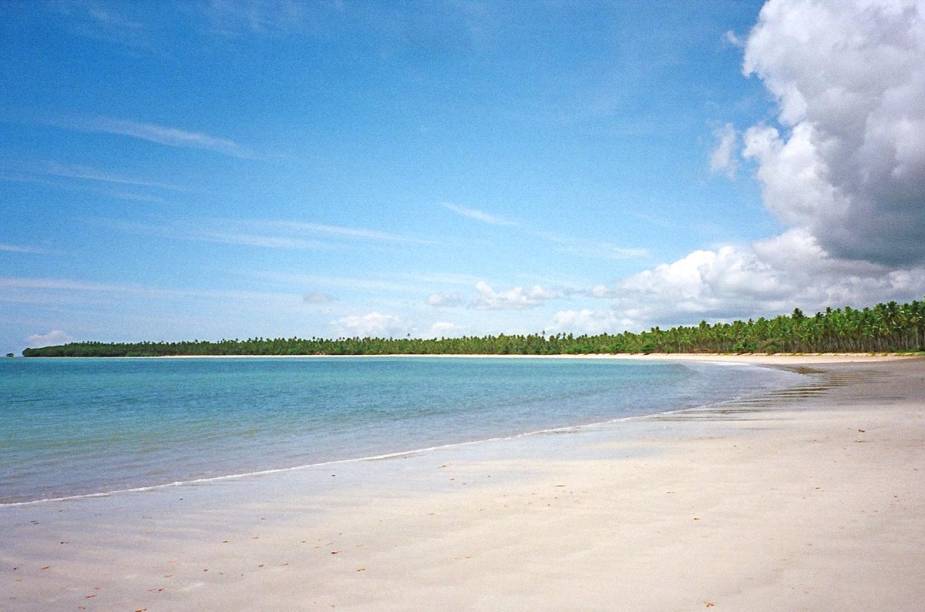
76,427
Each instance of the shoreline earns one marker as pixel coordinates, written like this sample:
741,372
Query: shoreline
807,499
389,454
420,450
745,358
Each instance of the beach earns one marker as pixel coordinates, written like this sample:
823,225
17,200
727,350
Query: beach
807,498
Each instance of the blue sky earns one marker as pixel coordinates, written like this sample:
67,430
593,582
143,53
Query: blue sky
235,169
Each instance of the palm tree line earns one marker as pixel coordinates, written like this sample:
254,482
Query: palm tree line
887,327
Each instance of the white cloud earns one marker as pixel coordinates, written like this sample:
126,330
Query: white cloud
62,284
443,328
52,338
253,240
592,248
487,298
769,277
44,290
723,158
82,173
337,231
269,234
587,321
731,38
134,197
104,176
581,247
844,167
370,324
445,300
245,17
160,134
849,161
18,248
439,278
477,215
348,283
517,298
95,21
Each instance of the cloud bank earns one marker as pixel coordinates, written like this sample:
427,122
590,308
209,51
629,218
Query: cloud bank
52,338
843,168
848,160
373,324
769,276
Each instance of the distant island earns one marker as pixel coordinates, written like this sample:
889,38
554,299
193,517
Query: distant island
889,327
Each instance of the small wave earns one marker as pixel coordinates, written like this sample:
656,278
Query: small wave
379,457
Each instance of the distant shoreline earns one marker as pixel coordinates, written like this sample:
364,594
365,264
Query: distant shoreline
747,358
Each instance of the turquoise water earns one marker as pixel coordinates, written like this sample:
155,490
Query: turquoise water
83,426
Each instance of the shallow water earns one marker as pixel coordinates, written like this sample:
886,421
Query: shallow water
83,426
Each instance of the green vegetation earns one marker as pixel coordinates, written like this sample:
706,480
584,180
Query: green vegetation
10,355
887,327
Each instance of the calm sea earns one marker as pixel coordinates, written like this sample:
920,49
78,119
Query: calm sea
82,426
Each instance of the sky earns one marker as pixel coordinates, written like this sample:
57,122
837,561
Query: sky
207,170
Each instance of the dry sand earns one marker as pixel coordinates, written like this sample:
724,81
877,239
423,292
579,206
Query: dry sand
807,499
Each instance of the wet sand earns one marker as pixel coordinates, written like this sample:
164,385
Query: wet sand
807,498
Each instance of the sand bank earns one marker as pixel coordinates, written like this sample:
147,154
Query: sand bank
809,498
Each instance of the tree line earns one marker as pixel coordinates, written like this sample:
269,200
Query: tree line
888,327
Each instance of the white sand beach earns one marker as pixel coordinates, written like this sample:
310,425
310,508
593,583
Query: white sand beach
804,499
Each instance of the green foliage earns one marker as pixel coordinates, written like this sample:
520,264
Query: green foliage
887,327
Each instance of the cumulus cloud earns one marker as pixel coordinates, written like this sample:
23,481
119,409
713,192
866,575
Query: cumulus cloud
52,338
443,328
768,277
487,298
600,291
843,166
847,161
723,158
445,300
516,298
370,324
587,321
